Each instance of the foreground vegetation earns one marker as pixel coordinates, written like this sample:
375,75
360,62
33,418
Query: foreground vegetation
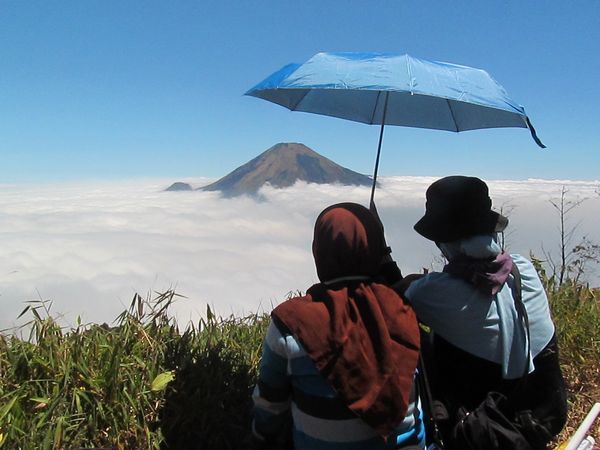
140,384
144,383
576,311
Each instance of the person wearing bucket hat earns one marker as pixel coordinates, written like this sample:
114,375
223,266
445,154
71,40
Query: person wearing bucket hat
478,340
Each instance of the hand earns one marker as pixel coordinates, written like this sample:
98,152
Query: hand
389,272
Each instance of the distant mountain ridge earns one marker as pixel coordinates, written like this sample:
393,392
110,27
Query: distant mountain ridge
281,166
180,186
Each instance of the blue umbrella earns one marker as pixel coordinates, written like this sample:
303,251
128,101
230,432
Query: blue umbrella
390,89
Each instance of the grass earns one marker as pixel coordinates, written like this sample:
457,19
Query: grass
576,311
141,384
145,383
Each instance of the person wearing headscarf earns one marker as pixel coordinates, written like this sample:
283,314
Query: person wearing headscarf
480,343
338,363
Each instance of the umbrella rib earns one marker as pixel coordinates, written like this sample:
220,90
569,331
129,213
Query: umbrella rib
299,100
375,108
452,114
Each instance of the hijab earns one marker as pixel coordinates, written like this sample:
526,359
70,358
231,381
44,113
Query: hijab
360,334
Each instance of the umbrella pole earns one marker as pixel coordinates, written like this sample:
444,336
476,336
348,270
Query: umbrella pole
372,202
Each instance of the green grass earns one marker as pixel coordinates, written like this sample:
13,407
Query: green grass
146,383
141,384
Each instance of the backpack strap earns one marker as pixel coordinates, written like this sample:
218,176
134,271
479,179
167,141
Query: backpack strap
521,311
435,411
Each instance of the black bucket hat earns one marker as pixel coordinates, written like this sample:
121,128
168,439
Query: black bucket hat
458,207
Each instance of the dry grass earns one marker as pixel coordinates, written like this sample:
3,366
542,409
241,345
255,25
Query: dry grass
576,310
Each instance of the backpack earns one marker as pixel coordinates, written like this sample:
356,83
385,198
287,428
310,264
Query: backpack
487,427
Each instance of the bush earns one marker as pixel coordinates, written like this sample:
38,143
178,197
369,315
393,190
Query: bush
140,384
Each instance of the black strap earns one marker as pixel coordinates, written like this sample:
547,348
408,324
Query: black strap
431,423
521,312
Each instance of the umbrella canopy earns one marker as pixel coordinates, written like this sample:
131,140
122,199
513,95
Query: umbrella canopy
389,89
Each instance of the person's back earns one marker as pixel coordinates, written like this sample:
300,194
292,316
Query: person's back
480,342
338,364
467,349
321,420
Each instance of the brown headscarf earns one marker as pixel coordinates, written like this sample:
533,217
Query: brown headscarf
360,334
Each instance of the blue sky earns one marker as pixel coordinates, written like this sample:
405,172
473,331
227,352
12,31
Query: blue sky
131,89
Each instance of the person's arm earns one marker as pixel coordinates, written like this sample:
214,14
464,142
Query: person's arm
272,394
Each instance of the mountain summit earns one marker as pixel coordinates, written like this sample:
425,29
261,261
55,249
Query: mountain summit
281,166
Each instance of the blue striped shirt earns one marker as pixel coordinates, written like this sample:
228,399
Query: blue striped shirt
290,386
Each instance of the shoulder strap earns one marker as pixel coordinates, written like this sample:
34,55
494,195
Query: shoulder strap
434,410
521,310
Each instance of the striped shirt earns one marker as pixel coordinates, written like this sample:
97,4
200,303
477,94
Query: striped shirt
290,386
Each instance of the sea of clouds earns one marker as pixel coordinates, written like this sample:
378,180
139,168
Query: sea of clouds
90,247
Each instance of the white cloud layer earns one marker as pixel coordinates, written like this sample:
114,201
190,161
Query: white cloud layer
90,247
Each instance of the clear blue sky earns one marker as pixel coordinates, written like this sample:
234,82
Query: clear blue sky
119,89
